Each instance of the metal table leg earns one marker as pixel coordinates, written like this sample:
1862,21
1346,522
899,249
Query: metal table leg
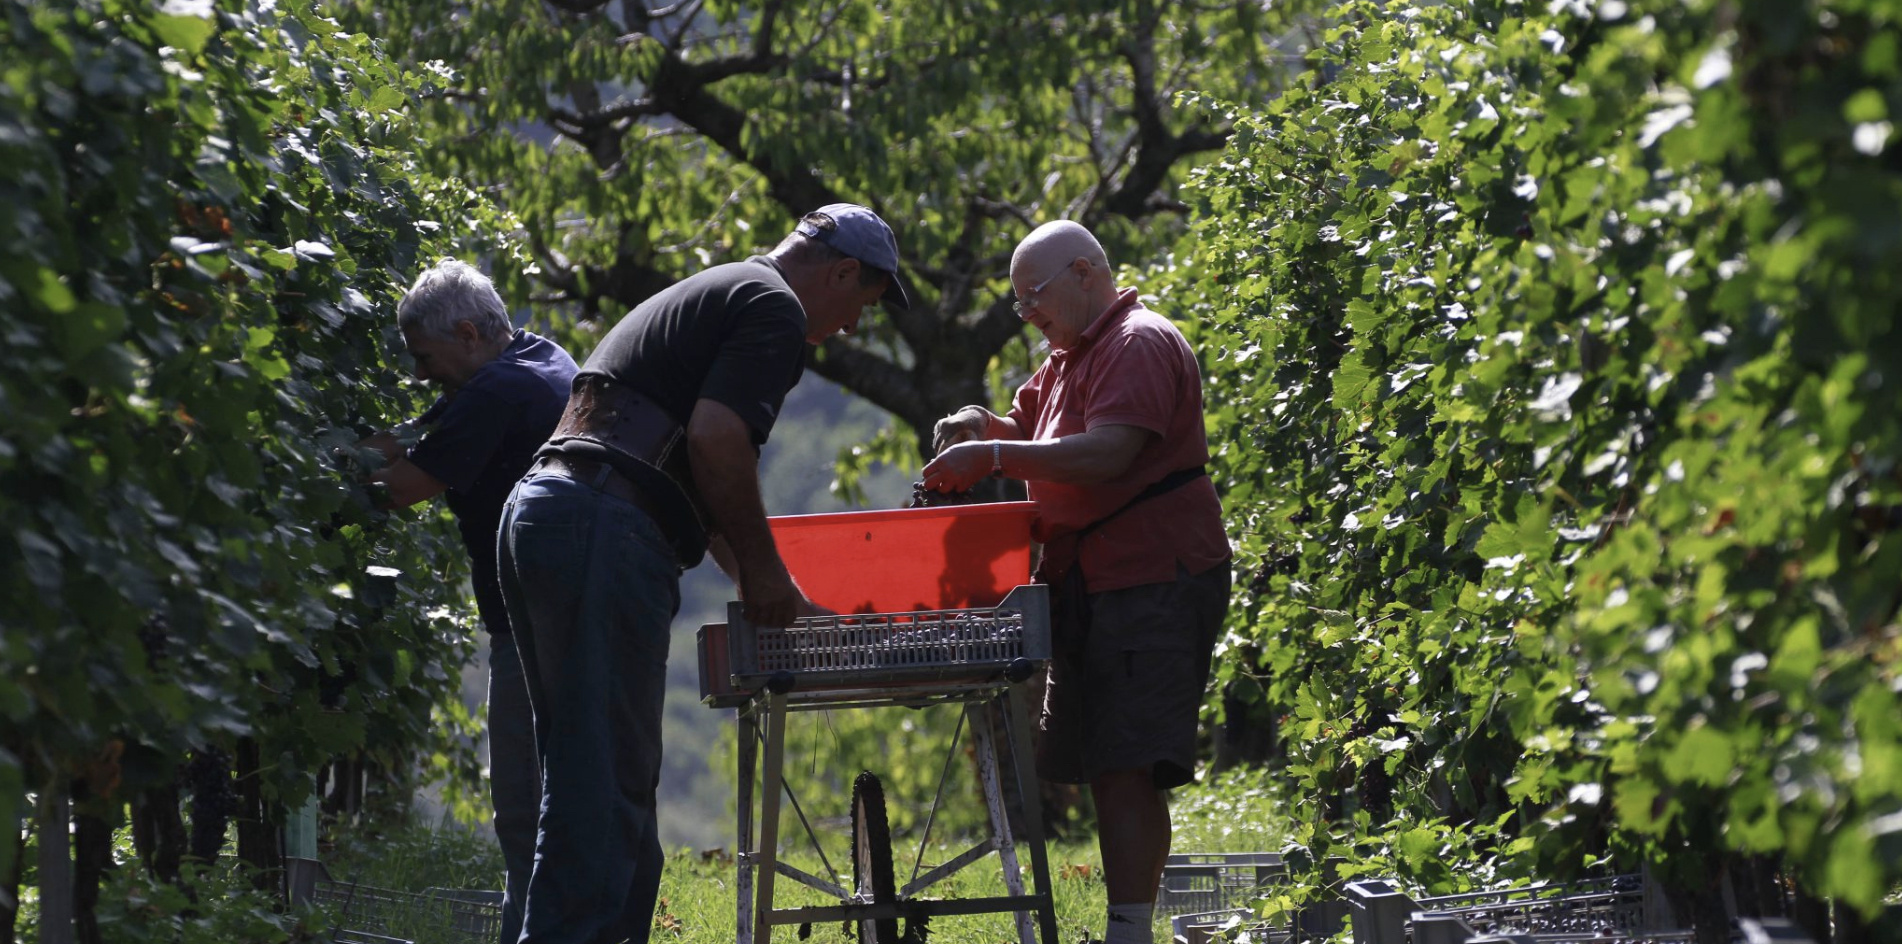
1018,730
981,717
771,786
748,726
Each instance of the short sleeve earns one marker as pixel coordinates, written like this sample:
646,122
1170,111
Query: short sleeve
758,362
1027,405
468,430
1137,384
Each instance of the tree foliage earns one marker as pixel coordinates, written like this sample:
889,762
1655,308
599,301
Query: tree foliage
640,144
207,214
1559,367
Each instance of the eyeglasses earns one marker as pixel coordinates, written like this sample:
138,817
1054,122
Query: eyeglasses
1028,300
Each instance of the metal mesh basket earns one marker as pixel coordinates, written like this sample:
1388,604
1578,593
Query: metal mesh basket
1609,906
1231,925
1211,881
893,648
436,916
1642,937
347,936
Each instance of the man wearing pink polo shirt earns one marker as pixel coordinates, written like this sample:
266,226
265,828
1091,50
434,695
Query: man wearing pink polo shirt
1109,436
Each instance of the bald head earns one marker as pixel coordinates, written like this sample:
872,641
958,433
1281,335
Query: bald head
1056,244
1062,281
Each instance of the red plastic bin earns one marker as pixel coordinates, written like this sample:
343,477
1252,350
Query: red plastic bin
908,559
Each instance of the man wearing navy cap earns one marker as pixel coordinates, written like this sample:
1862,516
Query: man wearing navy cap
654,464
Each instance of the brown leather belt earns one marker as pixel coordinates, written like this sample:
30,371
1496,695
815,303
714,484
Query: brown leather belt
603,478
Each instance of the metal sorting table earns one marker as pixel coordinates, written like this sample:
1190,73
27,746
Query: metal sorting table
976,658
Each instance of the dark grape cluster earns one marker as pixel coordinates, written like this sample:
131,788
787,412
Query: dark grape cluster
214,799
331,688
922,497
1276,563
153,636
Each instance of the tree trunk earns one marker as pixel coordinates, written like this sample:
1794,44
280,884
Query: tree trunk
1809,912
208,774
1248,736
259,844
1853,928
1373,786
55,869
1702,903
1756,883
158,831
10,885
344,799
92,856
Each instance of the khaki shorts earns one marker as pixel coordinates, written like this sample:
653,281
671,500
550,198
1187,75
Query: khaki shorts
1126,683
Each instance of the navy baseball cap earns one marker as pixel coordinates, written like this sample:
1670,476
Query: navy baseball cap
859,233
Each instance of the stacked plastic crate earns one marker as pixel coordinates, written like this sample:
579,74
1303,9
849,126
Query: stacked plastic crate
1209,895
1613,910
367,914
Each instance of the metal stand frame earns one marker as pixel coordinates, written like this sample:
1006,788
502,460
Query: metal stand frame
983,687
764,720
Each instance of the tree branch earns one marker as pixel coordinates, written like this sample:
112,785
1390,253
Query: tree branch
691,10
768,21
583,121
707,73
996,327
887,385
1156,150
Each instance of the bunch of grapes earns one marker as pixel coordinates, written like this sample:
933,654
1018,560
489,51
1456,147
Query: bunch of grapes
922,497
153,636
332,687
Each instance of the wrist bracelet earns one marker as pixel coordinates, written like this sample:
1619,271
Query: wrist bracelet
997,459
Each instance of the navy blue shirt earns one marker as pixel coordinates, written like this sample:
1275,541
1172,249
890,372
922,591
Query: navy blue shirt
482,438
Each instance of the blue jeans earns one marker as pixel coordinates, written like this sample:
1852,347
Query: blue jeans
515,780
591,587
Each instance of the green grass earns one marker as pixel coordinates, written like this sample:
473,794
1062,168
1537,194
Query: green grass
700,901
698,889
411,855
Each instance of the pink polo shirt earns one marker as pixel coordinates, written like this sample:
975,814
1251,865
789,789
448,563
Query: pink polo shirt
1130,368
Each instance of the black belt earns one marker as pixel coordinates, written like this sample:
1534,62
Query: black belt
605,479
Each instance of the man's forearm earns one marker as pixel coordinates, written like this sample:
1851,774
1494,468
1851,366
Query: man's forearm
726,470
1003,427
723,556
1072,460
387,443
729,482
407,483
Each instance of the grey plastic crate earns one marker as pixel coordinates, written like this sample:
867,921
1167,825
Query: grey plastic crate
1775,931
1204,882
1641,937
453,916
1230,924
365,937
1600,907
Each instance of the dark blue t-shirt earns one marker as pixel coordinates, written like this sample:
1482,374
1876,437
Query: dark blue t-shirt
479,440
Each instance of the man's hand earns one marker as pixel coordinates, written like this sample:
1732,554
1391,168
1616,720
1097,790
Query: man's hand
386,443
770,598
959,467
807,608
967,424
